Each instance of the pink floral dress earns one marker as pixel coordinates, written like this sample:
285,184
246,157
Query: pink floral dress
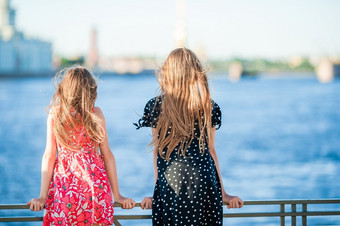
80,192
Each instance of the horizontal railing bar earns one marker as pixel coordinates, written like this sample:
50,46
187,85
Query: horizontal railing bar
305,201
283,214
268,202
130,217
14,207
226,215
302,213
20,219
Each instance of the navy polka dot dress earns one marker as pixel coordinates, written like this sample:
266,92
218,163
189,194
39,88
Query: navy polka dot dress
188,189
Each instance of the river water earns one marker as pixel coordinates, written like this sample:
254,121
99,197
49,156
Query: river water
280,139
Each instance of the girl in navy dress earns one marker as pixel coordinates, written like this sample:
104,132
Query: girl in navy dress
183,118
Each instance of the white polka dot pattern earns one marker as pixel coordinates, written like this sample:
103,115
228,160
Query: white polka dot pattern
188,189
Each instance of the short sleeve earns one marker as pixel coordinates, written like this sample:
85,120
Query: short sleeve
216,115
150,115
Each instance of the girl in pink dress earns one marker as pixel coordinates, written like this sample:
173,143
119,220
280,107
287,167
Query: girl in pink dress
77,179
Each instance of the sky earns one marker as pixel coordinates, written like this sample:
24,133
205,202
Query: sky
222,28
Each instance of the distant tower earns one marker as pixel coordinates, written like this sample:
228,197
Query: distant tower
93,55
7,20
4,13
180,28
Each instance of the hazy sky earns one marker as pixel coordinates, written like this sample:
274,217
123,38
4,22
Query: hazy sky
223,28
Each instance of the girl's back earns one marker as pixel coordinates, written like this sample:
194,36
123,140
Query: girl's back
78,138
76,181
188,189
79,192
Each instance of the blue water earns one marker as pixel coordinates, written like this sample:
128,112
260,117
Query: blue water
280,139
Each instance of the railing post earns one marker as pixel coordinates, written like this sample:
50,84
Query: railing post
282,218
293,217
115,222
304,217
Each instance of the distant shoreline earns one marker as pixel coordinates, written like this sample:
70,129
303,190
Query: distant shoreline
27,75
52,73
213,74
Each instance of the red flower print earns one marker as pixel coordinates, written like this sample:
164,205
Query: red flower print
98,212
84,218
59,221
79,184
96,175
84,184
65,186
68,205
82,138
106,196
88,196
99,162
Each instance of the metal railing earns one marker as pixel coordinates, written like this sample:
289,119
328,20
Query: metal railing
291,212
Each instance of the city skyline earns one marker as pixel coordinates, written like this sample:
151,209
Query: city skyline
221,29
18,54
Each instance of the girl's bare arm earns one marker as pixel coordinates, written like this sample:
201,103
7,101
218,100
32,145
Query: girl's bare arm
233,201
110,166
147,201
155,170
47,167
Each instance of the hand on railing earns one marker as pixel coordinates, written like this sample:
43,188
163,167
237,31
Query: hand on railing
37,204
232,201
146,204
126,203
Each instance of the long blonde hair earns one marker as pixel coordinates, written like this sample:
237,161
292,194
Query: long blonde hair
185,100
72,106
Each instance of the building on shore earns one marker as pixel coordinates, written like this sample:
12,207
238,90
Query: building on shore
20,56
92,58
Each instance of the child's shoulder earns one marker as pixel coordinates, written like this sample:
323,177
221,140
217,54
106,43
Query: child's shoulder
52,112
97,109
98,112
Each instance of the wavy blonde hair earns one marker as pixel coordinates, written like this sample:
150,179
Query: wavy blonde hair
72,106
185,100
